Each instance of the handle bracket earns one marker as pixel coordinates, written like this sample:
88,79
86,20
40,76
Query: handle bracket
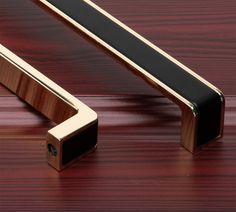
76,132
201,103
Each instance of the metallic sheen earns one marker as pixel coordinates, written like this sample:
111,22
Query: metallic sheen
72,116
201,122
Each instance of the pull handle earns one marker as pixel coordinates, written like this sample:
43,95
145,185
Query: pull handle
76,132
201,103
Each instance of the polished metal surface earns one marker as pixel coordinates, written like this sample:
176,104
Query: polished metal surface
72,116
190,116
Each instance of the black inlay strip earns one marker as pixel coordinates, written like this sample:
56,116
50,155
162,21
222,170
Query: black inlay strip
206,100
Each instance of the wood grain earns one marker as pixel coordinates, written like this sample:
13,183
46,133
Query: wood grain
139,164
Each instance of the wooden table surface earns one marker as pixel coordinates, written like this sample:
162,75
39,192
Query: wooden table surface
139,164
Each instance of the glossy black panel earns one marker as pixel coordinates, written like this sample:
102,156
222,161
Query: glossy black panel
206,100
79,144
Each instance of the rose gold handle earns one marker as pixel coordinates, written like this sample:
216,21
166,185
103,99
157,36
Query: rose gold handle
201,103
76,132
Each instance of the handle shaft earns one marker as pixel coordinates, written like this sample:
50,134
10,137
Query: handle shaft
201,103
76,132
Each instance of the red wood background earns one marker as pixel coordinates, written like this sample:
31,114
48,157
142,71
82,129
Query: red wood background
139,164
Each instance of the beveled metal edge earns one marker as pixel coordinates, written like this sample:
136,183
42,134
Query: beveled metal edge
189,111
81,116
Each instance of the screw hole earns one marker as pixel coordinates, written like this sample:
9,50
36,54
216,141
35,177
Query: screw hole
52,150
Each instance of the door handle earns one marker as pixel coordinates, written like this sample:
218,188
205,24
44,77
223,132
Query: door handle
201,103
76,132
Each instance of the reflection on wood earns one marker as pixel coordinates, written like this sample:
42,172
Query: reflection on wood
138,160
139,164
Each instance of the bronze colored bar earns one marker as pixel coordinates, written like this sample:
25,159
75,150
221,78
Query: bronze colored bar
76,132
201,103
